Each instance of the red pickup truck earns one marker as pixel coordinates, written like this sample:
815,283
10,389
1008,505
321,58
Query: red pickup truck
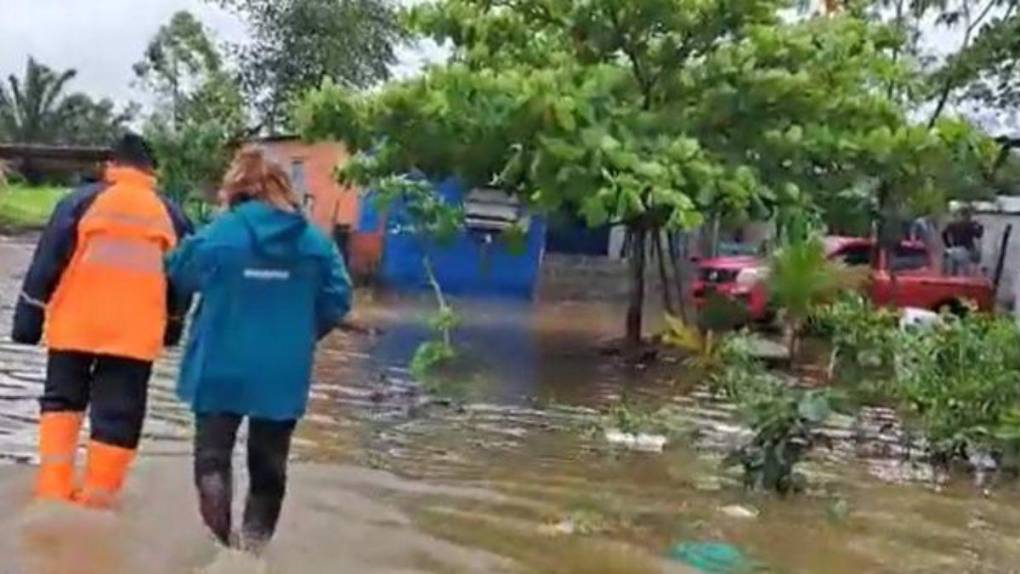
903,277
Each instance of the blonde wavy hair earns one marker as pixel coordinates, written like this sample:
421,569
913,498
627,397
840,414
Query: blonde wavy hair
253,176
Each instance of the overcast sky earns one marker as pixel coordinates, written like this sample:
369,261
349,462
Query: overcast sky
102,39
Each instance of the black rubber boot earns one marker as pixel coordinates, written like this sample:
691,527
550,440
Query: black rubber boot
214,446
268,448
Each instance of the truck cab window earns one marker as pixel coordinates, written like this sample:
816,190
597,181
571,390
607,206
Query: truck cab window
855,255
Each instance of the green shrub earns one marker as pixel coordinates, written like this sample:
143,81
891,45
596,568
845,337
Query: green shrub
864,337
784,418
785,421
961,380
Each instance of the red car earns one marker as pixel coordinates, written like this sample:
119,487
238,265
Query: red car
917,282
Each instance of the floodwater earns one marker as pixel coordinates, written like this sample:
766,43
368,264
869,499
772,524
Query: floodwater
504,479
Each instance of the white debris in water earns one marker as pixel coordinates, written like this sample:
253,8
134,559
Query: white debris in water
562,528
619,437
918,318
650,442
640,442
739,511
767,350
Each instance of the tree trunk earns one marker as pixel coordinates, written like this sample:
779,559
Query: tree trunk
667,293
635,309
678,275
791,337
713,240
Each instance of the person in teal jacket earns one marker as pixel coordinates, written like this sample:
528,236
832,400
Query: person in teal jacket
271,286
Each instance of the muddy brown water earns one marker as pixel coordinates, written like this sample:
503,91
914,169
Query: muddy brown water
384,480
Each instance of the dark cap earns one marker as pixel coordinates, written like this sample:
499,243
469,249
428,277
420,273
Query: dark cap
133,150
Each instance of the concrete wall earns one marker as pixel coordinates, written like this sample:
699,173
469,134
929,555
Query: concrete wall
995,216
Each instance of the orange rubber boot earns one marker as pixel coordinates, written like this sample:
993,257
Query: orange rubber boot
105,472
58,443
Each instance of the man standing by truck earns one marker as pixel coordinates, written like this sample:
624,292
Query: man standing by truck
962,238
97,283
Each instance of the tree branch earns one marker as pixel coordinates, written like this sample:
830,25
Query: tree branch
645,82
900,17
950,82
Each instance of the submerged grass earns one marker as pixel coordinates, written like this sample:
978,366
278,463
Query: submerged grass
25,208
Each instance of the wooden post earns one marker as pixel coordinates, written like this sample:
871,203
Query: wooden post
1000,265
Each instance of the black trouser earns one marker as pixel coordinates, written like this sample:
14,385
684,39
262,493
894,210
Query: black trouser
268,447
115,387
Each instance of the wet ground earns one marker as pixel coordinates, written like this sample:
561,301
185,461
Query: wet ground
386,480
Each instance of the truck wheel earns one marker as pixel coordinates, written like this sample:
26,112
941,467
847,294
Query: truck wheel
954,307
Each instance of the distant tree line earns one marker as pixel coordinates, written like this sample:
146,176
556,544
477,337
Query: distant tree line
210,97
39,108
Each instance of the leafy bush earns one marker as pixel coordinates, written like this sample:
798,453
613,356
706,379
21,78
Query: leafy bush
864,337
785,421
962,381
713,356
192,161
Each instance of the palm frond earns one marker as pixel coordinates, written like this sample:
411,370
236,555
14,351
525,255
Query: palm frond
802,277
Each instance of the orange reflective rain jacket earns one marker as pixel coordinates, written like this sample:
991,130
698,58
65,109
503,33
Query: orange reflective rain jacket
98,271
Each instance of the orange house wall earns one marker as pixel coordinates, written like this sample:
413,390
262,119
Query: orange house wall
332,204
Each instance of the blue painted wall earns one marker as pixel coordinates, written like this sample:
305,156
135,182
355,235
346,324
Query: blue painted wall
468,266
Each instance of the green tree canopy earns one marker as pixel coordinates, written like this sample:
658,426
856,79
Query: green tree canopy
296,44
652,114
969,61
199,117
179,61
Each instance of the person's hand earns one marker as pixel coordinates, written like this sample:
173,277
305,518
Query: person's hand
28,325
174,331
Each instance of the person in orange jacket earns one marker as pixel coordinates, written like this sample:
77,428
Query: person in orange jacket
97,285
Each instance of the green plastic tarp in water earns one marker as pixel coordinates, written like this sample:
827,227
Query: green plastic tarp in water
713,558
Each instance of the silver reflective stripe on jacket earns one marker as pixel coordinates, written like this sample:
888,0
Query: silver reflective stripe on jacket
32,301
129,255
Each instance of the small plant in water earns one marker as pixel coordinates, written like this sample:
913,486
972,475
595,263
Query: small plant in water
630,420
438,351
433,222
864,337
784,419
785,422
